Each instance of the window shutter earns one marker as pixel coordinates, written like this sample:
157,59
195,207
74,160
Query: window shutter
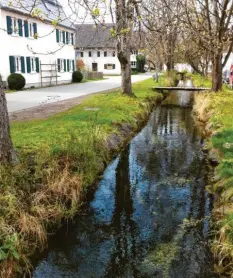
64,64
57,35
28,59
114,66
59,65
73,65
37,65
20,23
72,38
35,30
67,38
68,65
9,25
64,36
26,34
12,64
22,64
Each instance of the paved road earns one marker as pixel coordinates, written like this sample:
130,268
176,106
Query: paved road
32,98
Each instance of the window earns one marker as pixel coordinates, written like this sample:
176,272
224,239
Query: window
90,54
98,53
18,65
133,64
70,65
113,54
68,38
62,65
15,25
61,36
33,64
30,30
135,52
109,66
105,53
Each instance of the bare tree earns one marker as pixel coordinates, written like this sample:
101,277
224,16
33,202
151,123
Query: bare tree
211,22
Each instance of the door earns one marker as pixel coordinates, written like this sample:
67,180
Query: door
94,67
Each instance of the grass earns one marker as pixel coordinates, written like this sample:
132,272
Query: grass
216,109
59,158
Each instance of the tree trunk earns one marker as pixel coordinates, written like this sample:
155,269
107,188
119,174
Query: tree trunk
7,152
217,73
126,84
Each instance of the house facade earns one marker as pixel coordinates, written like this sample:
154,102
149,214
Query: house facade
38,45
97,49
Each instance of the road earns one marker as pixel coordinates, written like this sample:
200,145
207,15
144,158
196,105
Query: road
31,98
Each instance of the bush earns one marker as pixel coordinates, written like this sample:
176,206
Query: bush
77,76
16,81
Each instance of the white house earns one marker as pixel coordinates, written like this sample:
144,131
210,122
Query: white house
97,49
37,42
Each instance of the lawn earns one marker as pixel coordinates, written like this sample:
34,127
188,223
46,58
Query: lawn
59,158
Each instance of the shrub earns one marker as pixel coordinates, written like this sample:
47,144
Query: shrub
77,76
16,81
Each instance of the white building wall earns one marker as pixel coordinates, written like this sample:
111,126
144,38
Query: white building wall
101,61
12,45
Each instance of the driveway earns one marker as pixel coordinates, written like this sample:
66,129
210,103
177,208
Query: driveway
31,98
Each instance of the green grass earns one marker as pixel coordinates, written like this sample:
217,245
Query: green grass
200,81
217,109
59,158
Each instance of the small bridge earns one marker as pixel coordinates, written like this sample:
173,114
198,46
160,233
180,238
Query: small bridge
194,89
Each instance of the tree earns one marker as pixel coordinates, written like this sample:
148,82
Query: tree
7,152
211,22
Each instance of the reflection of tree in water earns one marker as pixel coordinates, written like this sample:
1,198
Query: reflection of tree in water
124,228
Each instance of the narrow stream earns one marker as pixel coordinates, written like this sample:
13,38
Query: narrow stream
150,214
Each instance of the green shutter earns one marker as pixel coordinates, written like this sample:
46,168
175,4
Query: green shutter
20,23
64,36
57,35
68,65
35,30
59,65
12,64
64,64
37,65
72,38
73,65
67,38
22,64
9,25
26,33
28,59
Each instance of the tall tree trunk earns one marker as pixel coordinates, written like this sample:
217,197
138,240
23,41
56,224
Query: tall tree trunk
7,152
217,73
126,84
124,29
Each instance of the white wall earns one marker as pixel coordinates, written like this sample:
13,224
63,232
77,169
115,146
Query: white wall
229,62
101,61
11,45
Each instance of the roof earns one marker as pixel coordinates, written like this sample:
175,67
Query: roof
49,10
94,36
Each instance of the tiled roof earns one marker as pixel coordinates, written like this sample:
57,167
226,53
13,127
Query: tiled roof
48,9
94,36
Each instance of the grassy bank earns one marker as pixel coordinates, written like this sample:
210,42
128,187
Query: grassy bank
216,111
59,158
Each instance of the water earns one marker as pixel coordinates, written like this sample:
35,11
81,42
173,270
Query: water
150,214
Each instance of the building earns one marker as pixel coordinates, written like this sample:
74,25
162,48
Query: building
36,42
97,49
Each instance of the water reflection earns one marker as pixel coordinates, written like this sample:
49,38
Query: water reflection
148,217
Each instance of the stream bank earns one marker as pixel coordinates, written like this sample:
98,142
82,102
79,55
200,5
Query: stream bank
214,111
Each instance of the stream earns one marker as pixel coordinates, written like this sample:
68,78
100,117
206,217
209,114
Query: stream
149,216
